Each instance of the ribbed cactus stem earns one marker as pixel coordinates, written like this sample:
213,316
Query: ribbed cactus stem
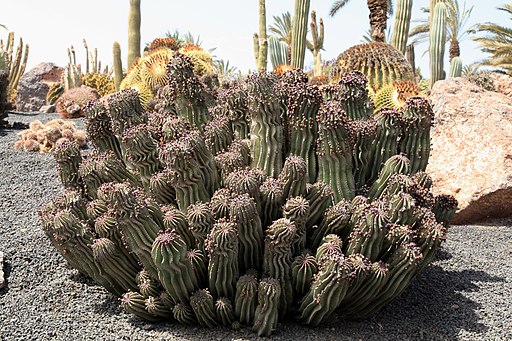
367,237
134,303
336,220
224,311
455,67
304,268
364,151
437,42
334,152
204,308
444,208
277,258
244,212
134,19
293,176
222,248
174,219
155,306
271,200
266,315
117,65
299,32
327,290
317,44
169,254
297,210
184,314
68,158
319,196
402,22
267,135
160,186
246,298
353,95
260,41
398,164
99,128
200,221
147,285
199,263
415,141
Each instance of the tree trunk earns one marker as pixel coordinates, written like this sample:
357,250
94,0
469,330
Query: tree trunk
378,18
454,49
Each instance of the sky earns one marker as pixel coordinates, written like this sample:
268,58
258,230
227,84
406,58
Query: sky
51,26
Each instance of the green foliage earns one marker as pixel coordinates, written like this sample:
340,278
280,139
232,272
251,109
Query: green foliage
216,229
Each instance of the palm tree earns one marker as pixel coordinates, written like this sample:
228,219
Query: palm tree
456,20
282,30
497,42
379,10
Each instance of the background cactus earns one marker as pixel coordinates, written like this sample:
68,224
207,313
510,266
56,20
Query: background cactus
402,22
437,43
243,231
134,18
14,62
299,32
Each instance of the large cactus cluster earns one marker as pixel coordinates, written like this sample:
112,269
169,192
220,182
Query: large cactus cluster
273,199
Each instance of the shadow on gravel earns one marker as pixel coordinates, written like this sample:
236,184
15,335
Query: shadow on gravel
435,307
7,271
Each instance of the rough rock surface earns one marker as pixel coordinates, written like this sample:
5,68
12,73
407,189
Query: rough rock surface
471,154
33,86
2,279
503,83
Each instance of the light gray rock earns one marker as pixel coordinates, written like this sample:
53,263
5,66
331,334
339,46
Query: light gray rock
34,84
47,109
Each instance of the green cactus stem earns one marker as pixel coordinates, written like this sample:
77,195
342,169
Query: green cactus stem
204,308
267,134
304,268
244,213
99,128
389,128
222,248
246,181
317,43
199,264
402,22
125,111
246,297
218,134
174,219
141,151
297,211
444,208
327,290
437,42
415,142
364,151
367,237
200,220
319,196
169,254
184,314
360,274
134,18
430,236
224,311
148,287
160,186
68,158
336,220
299,32
232,103
155,306
187,91
260,41
266,314
397,164
354,96
293,176
117,65
277,258
455,67
136,223
220,202
334,153
302,101
271,200
134,303
331,245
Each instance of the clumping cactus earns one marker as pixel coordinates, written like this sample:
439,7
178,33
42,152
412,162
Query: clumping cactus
279,199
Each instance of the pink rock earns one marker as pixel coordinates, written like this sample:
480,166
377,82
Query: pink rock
471,155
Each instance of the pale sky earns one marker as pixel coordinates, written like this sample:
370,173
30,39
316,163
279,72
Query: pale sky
51,26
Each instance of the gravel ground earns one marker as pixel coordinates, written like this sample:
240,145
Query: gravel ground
465,295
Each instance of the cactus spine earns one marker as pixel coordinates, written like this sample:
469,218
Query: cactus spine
402,22
134,19
437,43
299,32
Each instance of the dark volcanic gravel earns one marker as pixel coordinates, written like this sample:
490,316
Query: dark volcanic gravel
465,295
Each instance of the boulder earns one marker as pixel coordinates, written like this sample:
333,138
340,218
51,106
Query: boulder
471,156
502,83
34,84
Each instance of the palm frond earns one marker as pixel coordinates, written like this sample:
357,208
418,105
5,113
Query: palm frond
282,27
336,6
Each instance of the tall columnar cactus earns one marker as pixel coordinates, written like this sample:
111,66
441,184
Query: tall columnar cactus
437,42
172,211
134,19
260,40
455,67
317,43
402,22
299,32
13,61
118,65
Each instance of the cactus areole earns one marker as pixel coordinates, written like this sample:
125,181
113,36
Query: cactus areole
274,198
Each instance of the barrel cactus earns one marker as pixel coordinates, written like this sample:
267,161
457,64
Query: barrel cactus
259,223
